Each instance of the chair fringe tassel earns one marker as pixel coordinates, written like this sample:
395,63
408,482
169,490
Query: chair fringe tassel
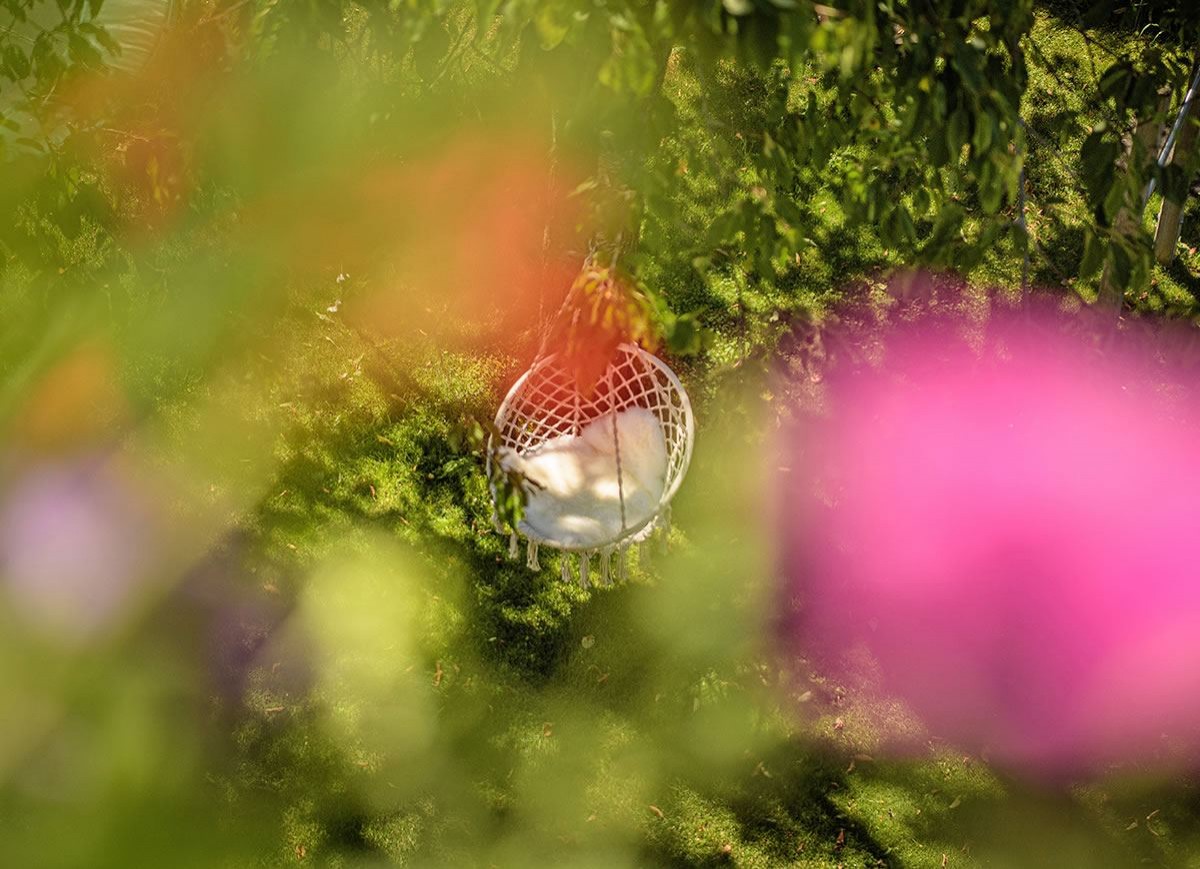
613,561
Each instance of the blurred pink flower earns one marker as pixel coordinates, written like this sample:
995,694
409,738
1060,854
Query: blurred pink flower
74,545
1011,533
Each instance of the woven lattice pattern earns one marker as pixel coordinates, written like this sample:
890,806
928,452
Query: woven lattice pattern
545,404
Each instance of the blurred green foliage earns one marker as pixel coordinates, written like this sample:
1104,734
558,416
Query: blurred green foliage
253,283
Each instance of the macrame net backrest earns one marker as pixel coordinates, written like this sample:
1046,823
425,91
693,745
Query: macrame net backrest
545,403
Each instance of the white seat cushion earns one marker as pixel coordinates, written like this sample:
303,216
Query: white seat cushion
576,499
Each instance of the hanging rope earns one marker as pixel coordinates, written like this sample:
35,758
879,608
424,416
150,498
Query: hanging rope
568,302
617,453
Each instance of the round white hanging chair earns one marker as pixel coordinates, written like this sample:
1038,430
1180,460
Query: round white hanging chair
638,415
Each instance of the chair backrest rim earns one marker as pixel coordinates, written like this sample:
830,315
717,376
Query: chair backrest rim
675,477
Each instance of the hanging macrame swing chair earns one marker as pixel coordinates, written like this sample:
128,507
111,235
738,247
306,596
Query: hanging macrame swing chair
604,465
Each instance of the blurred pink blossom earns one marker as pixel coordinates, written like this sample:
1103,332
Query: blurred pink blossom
74,545
1009,529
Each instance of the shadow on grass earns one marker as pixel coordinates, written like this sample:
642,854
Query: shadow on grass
1057,256
400,475
782,809
1184,276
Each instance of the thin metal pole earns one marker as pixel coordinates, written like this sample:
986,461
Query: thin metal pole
1176,127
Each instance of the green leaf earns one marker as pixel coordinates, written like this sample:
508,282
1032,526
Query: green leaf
1114,81
945,227
485,14
1122,265
992,231
939,153
722,229
102,36
1097,156
967,65
1174,182
684,337
16,64
1093,255
921,200
898,227
1097,13
1113,202
991,188
551,24
956,134
83,52
985,126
